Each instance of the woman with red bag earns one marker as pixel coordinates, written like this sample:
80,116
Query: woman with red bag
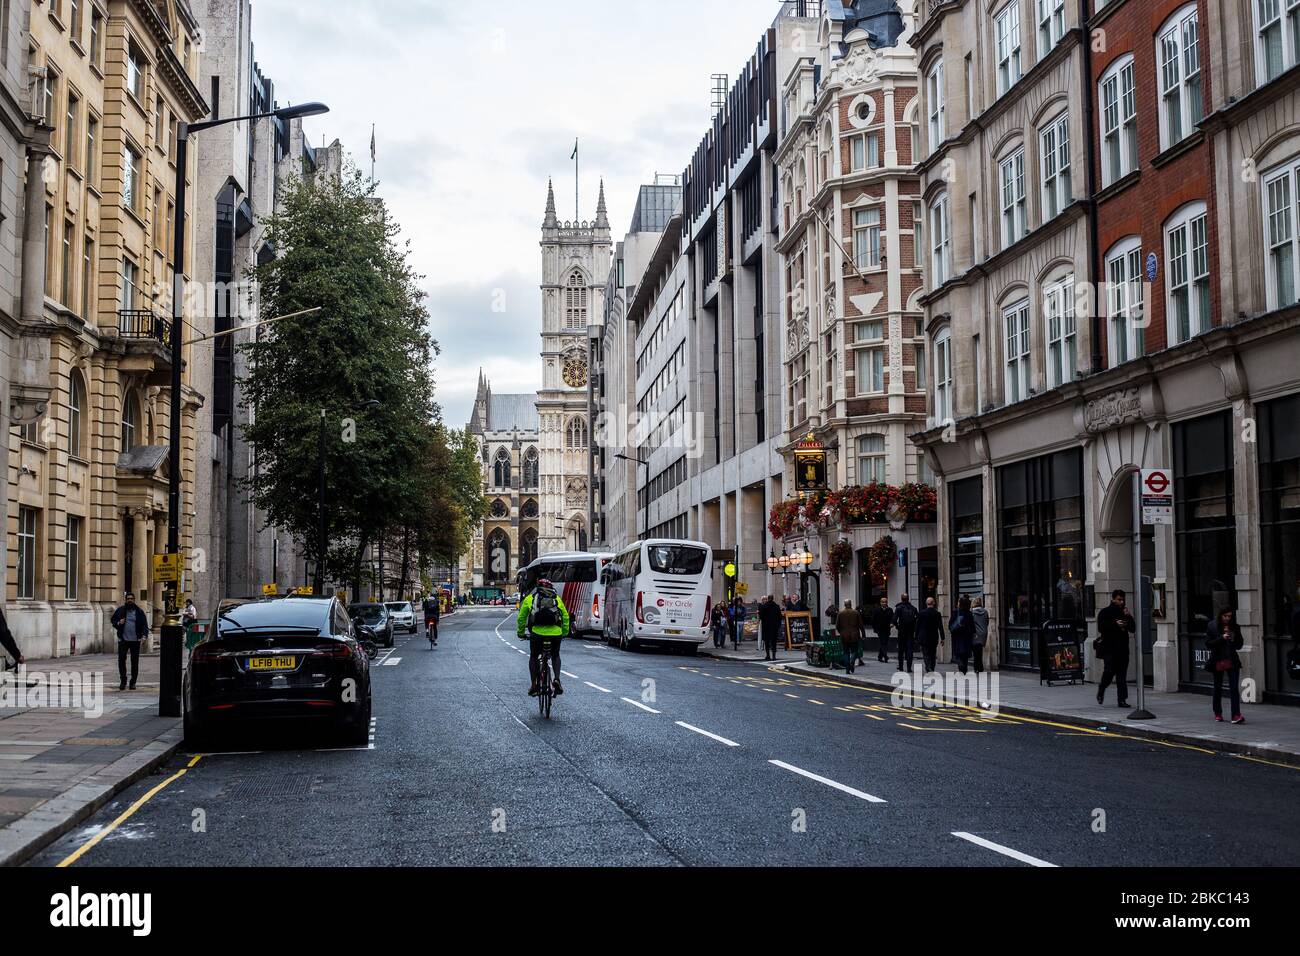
1223,638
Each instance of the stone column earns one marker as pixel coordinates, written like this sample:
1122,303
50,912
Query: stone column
140,555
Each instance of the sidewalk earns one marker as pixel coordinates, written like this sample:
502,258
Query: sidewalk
750,651
1271,732
58,765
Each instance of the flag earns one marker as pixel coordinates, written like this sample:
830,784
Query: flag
372,142
575,150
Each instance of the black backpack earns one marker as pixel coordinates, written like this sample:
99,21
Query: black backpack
546,609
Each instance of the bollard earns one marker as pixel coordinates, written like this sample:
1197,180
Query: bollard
169,670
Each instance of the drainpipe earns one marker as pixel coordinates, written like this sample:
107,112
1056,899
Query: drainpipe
1089,138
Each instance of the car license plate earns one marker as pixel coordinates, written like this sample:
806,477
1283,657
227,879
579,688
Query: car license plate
272,663
672,632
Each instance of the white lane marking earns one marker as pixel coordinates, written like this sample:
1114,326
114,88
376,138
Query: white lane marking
721,740
567,674
637,703
603,690
593,647
392,661
826,780
1004,850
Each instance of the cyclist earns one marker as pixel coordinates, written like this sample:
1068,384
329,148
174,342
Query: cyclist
431,609
543,616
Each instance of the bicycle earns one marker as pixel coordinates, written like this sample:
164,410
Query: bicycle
545,687
431,632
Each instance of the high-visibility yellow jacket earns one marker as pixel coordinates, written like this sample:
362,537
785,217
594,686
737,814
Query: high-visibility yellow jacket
542,630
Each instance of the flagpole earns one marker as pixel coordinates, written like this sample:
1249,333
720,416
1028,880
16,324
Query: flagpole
576,207
372,152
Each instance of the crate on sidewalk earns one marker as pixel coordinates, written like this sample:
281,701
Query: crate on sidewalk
827,652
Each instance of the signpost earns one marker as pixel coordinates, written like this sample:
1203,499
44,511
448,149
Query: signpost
1060,653
798,628
270,590
1153,504
810,466
167,568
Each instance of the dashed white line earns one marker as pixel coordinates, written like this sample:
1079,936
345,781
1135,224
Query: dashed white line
637,703
1004,850
694,729
567,674
392,661
603,690
826,780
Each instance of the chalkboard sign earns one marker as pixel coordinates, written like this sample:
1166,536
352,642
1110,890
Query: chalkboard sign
798,628
1060,652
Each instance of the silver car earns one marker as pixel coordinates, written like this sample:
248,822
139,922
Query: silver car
403,615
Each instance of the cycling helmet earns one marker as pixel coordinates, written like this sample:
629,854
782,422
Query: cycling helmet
545,583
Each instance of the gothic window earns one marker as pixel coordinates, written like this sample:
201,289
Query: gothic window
501,470
530,468
498,556
528,547
575,302
575,495
500,509
576,435
529,511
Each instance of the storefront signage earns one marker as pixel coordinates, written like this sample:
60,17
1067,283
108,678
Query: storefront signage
1060,656
810,465
1110,411
1157,489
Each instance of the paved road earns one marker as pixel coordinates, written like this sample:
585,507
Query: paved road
655,759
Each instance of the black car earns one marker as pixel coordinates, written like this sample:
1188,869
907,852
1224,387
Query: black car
278,659
377,618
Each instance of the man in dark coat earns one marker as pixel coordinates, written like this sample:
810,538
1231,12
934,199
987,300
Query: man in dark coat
770,622
7,640
132,627
1114,625
905,618
882,619
929,631
848,625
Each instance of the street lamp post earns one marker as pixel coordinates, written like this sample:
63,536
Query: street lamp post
173,635
646,506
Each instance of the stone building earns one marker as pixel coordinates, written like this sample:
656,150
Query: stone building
87,484
505,428
1111,334
575,265
849,221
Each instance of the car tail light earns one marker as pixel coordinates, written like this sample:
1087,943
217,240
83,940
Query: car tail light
639,598
595,607
332,650
708,610
206,654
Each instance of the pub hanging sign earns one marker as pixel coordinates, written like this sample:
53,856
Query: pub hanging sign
810,465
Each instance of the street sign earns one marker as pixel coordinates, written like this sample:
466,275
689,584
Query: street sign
270,590
167,568
742,588
1157,492
729,570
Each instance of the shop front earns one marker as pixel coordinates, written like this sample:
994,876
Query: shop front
1040,553
1279,508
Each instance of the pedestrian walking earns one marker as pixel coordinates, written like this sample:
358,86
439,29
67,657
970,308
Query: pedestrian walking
7,641
905,618
882,619
849,626
962,628
1223,639
719,623
929,631
770,622
980,615
738,615
1114,625
132,627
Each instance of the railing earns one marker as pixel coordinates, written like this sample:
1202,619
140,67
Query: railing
802,8
143,324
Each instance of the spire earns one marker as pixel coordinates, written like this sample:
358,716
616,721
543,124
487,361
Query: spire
550,219
602,215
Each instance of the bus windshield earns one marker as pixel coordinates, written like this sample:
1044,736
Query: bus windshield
581,570
677,559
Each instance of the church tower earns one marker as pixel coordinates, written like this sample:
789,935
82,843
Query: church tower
575,265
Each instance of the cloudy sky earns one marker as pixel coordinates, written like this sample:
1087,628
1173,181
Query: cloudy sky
475,105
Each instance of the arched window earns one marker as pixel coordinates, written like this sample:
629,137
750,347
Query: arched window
131,434
1178,53
576,435
1119,143
1124,301
871,459
501,469
498,556
1060,326
530,468
575,302
500,509
528,547
1015,328
529,510
76,408
1187,277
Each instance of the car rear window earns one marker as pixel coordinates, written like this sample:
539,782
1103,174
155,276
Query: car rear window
263,614
401,606
368,613
677,559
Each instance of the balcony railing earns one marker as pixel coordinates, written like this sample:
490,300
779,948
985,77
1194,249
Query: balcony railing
143,324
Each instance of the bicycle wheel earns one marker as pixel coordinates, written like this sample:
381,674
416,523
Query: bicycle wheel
543,690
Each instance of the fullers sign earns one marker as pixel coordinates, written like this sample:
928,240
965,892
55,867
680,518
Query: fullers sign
1157,491
810,465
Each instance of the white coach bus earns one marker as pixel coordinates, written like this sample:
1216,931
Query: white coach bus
576,576
659,592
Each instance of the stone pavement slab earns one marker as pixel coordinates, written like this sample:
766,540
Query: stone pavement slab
70,741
